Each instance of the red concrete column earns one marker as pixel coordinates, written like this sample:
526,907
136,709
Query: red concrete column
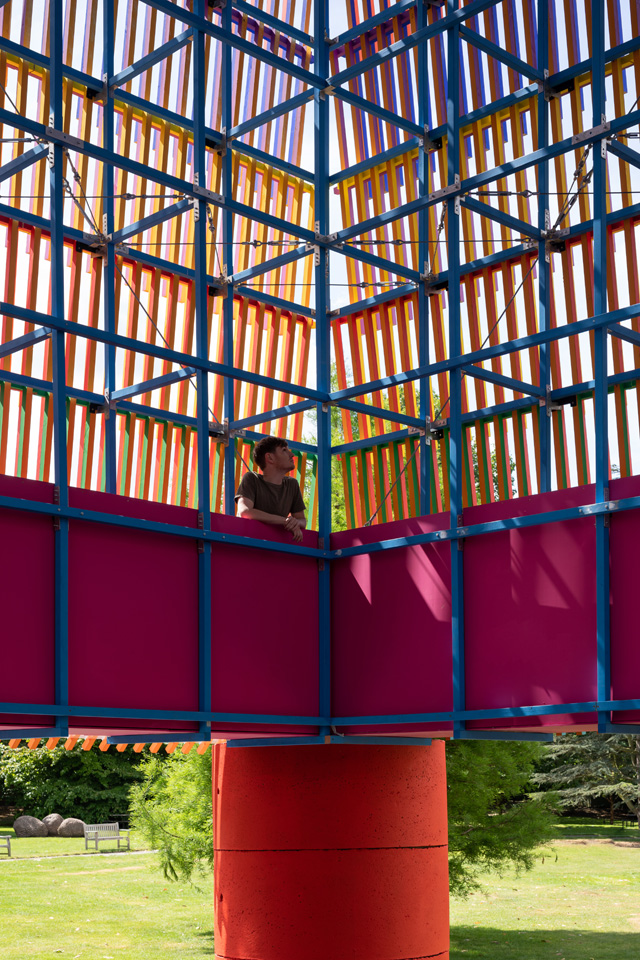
335,852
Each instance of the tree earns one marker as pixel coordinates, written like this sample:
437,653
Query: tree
492,824
172,808
579,770
90,785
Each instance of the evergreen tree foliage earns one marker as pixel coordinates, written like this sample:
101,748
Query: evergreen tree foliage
91,785
488,828
172,809
580,770
493,825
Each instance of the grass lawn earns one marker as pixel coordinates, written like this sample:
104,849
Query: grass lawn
580,902
28,847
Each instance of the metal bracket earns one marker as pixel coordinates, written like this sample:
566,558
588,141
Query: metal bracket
221,433
103,94
105,407
594,132
326,92
221,146
59,136
427,143
315,249
419,432
203,194
436,428
446,192
554,242
433,286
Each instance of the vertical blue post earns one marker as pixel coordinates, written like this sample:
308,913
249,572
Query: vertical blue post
202,379
109,268
227,237
323,345
423,257
61,535
455,381
544,264
601,396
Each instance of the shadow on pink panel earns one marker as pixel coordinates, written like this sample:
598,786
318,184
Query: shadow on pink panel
133,614
264,627
391,627
530,613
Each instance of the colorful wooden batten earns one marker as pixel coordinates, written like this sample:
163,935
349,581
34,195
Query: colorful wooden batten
103,745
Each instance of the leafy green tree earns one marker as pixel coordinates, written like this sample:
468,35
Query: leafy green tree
91,785
492,825
578,771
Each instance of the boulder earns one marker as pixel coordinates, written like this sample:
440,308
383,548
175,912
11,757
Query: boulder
52,821
71,827
30,827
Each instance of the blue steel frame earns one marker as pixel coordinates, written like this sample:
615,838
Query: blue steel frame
321,85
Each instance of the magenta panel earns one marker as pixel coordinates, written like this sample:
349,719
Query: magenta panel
133,613
625,621
391,626
264,627
27,603
530,611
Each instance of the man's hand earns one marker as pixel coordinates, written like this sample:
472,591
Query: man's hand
295,528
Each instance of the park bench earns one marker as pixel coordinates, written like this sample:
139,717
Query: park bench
95,832
6,842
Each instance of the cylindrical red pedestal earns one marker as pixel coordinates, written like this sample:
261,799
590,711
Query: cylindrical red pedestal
335,852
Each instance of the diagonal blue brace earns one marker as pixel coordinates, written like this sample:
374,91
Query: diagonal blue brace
350,308
383,17
275,414
399,150
270,21
498,53
374,261
23,161
273,264
370,107
153,220
623,152
148,385
519,386
505,219
281,108
27,340
624,333
151,59
371,411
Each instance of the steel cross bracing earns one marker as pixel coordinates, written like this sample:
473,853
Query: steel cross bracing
196,29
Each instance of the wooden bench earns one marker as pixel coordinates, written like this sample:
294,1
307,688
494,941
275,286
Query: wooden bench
95,832
6,842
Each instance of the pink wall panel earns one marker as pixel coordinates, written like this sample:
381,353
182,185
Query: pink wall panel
133,612
264,627
26,603
391,626
530,612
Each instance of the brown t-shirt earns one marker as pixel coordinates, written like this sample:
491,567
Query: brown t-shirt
280,499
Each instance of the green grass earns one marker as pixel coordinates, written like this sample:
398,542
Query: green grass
588,827
580,902
28,847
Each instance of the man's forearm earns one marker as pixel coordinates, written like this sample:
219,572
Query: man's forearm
252,514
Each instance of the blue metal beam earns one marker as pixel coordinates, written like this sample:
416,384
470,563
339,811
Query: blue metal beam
293,103
153,220
175,376
289,305
408,43
519,386
286,411
403,123
25,341
372,411
270,21
493,213
499,53
356,253
163,353
25,160
623,152
379,158
274,263
233,40
624,333
150,60
350,308
371,22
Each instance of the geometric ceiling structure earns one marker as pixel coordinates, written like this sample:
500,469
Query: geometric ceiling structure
401,235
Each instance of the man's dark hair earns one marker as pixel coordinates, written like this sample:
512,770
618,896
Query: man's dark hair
265,446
